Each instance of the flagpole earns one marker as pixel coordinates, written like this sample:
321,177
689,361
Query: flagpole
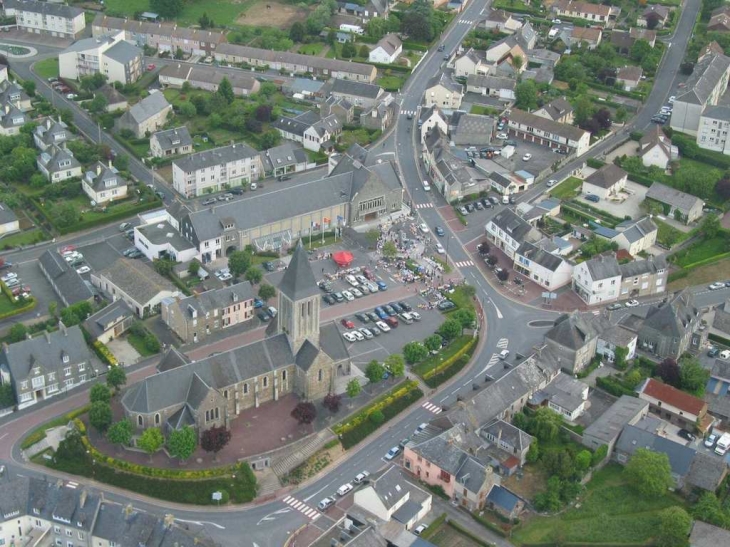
311,228
321,229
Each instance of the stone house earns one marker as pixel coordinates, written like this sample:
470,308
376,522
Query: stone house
573,341
675,406
679,205
171,142
147,116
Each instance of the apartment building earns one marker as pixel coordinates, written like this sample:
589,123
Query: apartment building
58,20
598,280
546,132
712,133
109,55
595,13
643,277
508,231
544,268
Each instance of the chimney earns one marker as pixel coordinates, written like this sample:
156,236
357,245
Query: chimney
169,521
499,435
82,498
7,108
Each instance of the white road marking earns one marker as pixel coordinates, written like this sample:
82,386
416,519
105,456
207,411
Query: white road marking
463,263
499,313
317,492
202,522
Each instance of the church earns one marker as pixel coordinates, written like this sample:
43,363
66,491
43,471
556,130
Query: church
298,355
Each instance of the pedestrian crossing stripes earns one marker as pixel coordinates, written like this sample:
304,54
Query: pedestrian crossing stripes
432,407
423,205
596,312
407,112
503,343
463,263
302,507
466,22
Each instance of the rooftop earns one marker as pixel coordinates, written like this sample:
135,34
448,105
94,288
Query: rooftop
137,279
672,396
609,425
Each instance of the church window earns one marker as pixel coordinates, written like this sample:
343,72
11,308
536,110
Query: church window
283,376
320,375
266,381
245,389
217,413
157,419
225,394
139,421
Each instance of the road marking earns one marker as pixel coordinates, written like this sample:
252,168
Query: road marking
463,264
423,205
317,492
202,522
432,407
503,343
6,434
493,360
455,391
302,507
499,313
442,400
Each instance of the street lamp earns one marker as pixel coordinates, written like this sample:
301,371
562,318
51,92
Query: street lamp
448,240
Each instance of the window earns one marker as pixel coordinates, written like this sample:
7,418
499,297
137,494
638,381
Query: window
266,381
69,533
24,384
82,367
67,371
57,529
157,419
320,375
245,389
65,358
51,376
283,376
37,382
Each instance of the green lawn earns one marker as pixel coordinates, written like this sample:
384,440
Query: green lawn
567,189
435,360
391,83
137,342
222,12
668,235
483,110
610,512
47,68
311,49
23,238
702,250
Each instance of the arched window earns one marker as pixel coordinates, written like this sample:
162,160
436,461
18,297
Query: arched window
283,375
139,421
225,394
245,389
157,419
266,381
320,375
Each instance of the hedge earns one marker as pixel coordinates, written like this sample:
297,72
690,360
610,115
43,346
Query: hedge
103,352
679,274
434,526
464,531
594,163
465,351
719,339
378,404
706,261
614,386
489,525
39,433
432,362
616,91
30,304
715,159
414,46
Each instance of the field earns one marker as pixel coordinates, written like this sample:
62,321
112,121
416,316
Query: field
702,250
448,536
567,189
47,68
280,15
710,273
609,512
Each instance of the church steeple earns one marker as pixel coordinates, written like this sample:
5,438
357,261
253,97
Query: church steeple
299,301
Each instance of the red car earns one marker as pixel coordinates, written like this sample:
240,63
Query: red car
348,324
68,249
150,68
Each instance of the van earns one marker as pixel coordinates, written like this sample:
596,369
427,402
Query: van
406,318
505,200
344,489
271,310
426,186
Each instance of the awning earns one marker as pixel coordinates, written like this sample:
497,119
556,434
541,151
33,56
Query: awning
342,258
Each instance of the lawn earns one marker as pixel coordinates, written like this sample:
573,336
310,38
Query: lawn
668,235
702,274
137,342
23,238
448,536
702,250
391,83
311,49
435,360
609,512
483,110
222,12
567,189
47,68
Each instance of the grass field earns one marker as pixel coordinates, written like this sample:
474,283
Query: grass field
702,250
668,235
567,189
23,238
311,49
47,68
391,83
710,273
610,512
448,536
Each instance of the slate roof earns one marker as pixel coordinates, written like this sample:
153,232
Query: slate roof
55,156
629,73
475,124
622,39
672,396
332,343
123,52
298,281
573,330
215,156
707,472
603,267
159,29
508,221
44,8
284,155
707,535
707,73
102,176
12,116
633,438
104,319
670,196
445,80
539,256
173,358
490,82
587,34
52,131
6,214
67,282
636,230
148,107
391,487
507,433
203,75
306,85
674,317
641,267
721,321
565,392
545,125
390,43
609,425
617,335
111,95
350,87
584,7
136,279
607,176
173,138
216,299
503,498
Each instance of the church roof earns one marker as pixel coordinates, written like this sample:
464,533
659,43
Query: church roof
298,281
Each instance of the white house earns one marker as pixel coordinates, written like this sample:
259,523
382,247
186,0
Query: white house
57,164
544,268
430,118
635,236
471,62
508,232
314,134
606,182
492,86
51,18
566,396
598,280
161,239
111,56
443,92
616,337
8,220
387,50
103,183
656,149
502,21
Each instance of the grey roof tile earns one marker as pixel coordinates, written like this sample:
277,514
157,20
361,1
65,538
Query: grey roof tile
173,138
137,279
609,425
633,438
123,52
298,281
671,196
44,8
539,256
606,176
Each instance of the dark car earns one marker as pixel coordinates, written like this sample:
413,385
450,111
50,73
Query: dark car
362,317
269,266
713,352
339,297
446,305
469,207
392,322
282,178
396,307
686,435
373,316
329,299
439,231
478,205
389,310
238,191
263,316
405,305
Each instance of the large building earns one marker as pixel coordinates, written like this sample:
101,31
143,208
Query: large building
54,19
546,132
712,133
301,357
598,280
110,56
207,78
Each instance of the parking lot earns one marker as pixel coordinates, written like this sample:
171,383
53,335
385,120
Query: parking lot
542,157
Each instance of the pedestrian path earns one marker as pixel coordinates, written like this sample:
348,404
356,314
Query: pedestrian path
423,205
466,22
302,507
463,263
410,113
503,343
299,452
432,407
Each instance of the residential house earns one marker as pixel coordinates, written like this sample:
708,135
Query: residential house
471,62
378,118
546,132
67,284
57,164
504,502
450,175
135,282
110,55
313,132
285,158
616,336
216,169
718,318
707,472
595,13
387,50
360,94
558,110
110,322
508,438
48,364
659,14
8,220
171,142
203,314
432,117
678,205
719,382
304,87
296,63
340,108
502,21
544,59
366,11
565,396
656,149
544,268
643,277
625,40
473,129
103,183
606,182
503,183
58,20
707,535
12,93
12,119
598,280
147,116
506,51
703,89
208,79
527,38
114,100
492,86
674,405
719,20
636,236
606,429
443,92
587,37
508,231
159,239
712,133
629,77
572,341
50,132
390,496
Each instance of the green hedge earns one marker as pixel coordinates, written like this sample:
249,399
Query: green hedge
616,91
434,526
415,46
706,261
594,163
464,531
614,386
679,274
641,179
39,433
490,525
716,159
719,339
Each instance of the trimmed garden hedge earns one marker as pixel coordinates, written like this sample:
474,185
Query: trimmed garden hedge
614,386
719,339
39,433
451,366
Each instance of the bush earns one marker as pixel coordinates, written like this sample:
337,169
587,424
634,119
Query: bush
614,386
104,353
39,433
455,359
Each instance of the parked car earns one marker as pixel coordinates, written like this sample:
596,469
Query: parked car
592,197
366,333
415,315
374,317
717,285
405,305
551,183
349,336
382,314
272,311
724,354
419,529
209,201
632,303
283,178
329,299
263,316
325,504
151,67
382,286
439,231
382,326
123,227
614,306
356,293
504,354
445,305
361,477
463,210
710,441
392,322
392,453
347,323
362,318
527,157
348,296
502,136
389,310
83,270
713,352
358,335
686,435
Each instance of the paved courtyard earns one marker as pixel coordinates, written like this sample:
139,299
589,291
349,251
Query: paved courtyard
628,203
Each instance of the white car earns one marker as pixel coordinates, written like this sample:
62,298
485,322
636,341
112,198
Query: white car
715,286
672,99
71,96
351,280
502,136
527,157
710,441
415,315
83,270
361,477
366,333
325,503
361,279
632,303
440,249
419,530
383,326
392,453
725,354
225,277
349,336
358,335
356,293
373,287
348,296
557,21
551,183
423,227
9,276
344,489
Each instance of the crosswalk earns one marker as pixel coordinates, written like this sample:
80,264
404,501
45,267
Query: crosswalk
596,312
432,407
503,343
423,205
408,113
302,507
466,22
463,263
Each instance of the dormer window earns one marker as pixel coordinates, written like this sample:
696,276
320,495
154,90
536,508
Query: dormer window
36,511
65,358
110,182
64,163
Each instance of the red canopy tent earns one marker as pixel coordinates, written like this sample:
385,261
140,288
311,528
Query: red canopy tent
342,258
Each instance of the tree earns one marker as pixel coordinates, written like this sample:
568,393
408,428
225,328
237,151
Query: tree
353,388
98,104
64,214
674,526
7,396
599,455
584,110
377,417
652,20
296,32
121,162
163,266
433,342
29,87
168,9
533,453
100,415
194,267
181,443
466,318
526,95
188,109
348,50
450,329
374,371
225,90
266,291
517,62
18,332
364,52
723,187
668,371
545,424
503,276
116,378
264,113
304,413
151,343
254,275
239,262
649,473
417,21
550,499
693,376
270,138
395,364
583,460
415,352
640,50
619,357
100,393
709,509
389,249
205,22
179,54
215,439
151,440
120,433
710,226
332,402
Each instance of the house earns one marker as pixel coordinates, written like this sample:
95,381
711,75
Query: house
598,280
629,77
507,438
48,364
473,129
443,92
679,205
304,87
50,132
66,282
171,142
164,37
558,110
313,132
135,282
285,158
614,337
302,357
654,16
703,88
360,94
13,93
508,231
12,119
503,183
572,341
110,322
471,62
492,86
114,100
103,183
501,21
296,63
636,236
387,50
147,116
674,405
504,502
707,472
587,37
707,535
8,220
527,37
3,72
378,118
57,20
656,149
159,239
606,183
506,51
216,169
606,429
565,396
625,40
432,117
546,132
207,78
719,382
595,13
643,277
196,317
719,320
57,164
340,108
544,268
543,59
712,133
110,55
390,496
719,20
